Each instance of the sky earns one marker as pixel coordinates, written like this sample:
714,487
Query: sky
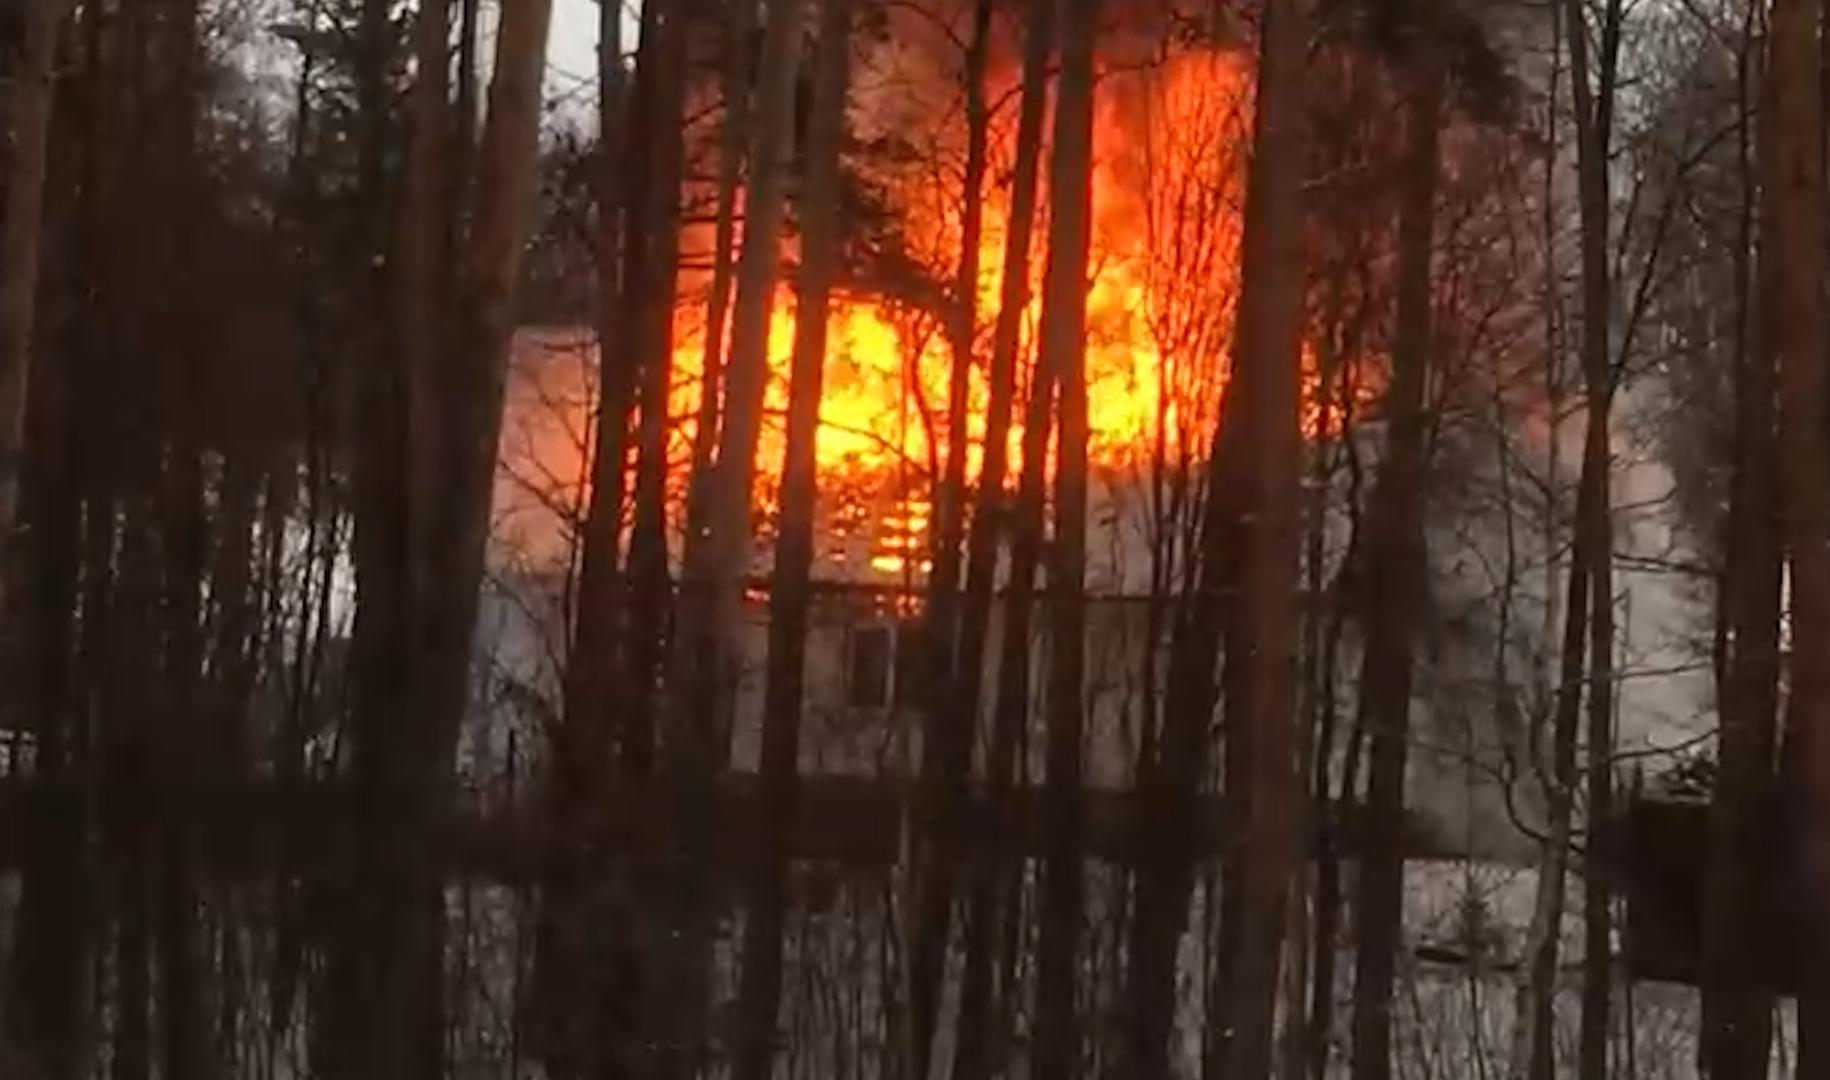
571,55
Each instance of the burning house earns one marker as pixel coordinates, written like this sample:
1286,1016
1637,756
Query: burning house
1168,130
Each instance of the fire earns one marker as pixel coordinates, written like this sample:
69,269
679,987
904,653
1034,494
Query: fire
1163,270
1169,140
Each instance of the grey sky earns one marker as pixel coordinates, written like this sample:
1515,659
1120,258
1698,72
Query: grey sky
571,55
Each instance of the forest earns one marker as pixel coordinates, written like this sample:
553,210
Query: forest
914,539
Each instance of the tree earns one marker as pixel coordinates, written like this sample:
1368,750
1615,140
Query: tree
1589,601
404,767
1396,565
1062,352
605,738
1736,1037
790,596
1259,684
947,739
982,545
30,126
1791,218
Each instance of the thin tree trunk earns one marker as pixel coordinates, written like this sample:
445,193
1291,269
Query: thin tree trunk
703,667
1737,1024
1533,1043
1594,127
976,1015
43,454
761,989
583,958
1269,313
1011,710
946,743
1398,590
725,550
45,1014
1169,786
183,543
1597,919
1328,802
650,312
1063,352
1261,640
378,1020
405,768
592,664
1532,1047
732,143
131,754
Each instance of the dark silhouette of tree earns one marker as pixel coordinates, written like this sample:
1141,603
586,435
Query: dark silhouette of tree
790,595
988,886
1062,351
1396,564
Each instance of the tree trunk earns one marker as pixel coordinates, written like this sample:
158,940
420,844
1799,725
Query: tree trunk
1396,582
761,989
30,123
1011,709
377,1017
1169,786
1250,438
724,553
63,579
1594,127
1261,639
740,26
650,312
588,972
592,661
1063,351
1533,1043
946,744
1737,1018
976,1015
702,670
1532,1047
131,754
404,765
1792,223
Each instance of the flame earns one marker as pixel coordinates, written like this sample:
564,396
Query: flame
1162,272
1169,142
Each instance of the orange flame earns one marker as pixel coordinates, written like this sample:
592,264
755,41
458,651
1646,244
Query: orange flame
1169,142
1162,274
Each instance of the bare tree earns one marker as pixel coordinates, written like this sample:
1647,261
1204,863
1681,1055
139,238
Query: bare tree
1062,351
790,595
1736,1036
405,767
982,544
1589,597
1259,684
1396,566
947,740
